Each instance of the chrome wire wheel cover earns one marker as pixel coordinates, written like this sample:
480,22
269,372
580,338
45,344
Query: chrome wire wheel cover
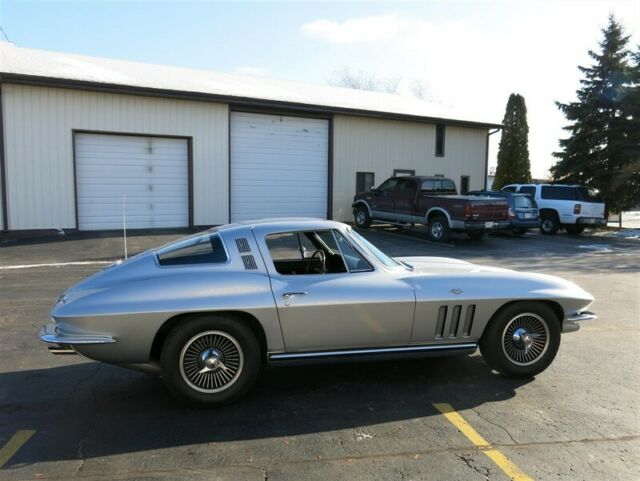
525,339
211,361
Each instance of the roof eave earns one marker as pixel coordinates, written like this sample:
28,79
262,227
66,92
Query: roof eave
42,81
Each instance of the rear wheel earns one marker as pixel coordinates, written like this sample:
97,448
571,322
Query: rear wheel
362,217
438,229
476,234
549,223
210,360
522,339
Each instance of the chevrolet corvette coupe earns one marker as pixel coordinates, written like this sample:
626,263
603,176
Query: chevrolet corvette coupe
209,310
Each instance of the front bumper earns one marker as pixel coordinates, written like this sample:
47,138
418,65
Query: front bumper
591,221
570,323
62,343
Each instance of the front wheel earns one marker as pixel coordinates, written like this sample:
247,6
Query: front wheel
210,360
522,339
362,217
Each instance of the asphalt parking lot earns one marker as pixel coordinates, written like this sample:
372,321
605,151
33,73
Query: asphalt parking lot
64,416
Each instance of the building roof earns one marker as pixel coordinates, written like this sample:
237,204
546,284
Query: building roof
41,67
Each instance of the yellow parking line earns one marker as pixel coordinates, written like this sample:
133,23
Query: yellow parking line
481,443
17,440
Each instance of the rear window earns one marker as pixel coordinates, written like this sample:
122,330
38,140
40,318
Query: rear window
206,249
556,192
589,194
523,202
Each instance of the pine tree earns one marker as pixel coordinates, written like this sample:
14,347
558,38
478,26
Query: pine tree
513,152
599,151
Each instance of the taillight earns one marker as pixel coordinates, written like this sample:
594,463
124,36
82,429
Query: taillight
511,213
467,211
576,208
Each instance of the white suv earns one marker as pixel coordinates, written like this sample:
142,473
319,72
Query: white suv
573,207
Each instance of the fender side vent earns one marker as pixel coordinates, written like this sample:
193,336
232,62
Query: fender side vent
468,320
249,262
442,317
455,321
243,244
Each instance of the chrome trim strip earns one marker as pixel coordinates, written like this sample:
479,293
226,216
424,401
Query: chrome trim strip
582,316
52,335
381,350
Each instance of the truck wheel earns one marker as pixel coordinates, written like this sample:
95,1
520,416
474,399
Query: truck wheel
362,217
438,229
210,360
475,235
549,224
522,339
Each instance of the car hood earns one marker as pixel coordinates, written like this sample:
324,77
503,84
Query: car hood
446,265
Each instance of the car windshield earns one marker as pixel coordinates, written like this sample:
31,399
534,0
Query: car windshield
377,253
523,202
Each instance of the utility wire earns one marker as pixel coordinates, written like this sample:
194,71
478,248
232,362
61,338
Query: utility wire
4,34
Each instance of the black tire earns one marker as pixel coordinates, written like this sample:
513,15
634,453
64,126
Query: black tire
549,223
438,229
475,235
226,339
500,349
520,231
574,229
361,217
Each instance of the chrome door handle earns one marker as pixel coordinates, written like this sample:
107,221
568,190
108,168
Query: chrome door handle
289,295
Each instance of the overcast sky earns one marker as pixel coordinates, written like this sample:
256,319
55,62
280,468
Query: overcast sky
469,55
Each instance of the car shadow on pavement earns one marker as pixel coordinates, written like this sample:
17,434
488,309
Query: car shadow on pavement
87,409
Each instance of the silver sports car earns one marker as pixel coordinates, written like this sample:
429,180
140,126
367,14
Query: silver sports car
209,310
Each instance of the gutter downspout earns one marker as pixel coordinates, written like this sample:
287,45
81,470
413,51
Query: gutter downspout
486,157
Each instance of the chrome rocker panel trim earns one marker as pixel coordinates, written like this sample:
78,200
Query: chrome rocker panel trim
51,334
368,354
571,322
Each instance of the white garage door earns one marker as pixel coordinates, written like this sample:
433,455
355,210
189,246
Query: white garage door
152,173
279,166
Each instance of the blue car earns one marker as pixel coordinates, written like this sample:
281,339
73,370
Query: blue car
523,211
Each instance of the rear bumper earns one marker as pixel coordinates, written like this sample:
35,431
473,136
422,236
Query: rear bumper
591,221
525,224
63,343
571,323
480,224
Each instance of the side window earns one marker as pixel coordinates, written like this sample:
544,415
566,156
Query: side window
509,188
352,258
558,193
364,181
206,249
407,188
284,246
447,186
440,134
529,190
388,185
428,186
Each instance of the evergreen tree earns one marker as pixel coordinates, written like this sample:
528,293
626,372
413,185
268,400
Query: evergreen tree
513,152
600,151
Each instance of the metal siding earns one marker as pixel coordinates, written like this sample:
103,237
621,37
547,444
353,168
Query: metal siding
279,166
380,146
39,148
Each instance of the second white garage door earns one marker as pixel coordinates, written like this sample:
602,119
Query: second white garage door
152,172
279,166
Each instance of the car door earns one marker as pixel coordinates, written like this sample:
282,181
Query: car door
353,305
382,199
404,199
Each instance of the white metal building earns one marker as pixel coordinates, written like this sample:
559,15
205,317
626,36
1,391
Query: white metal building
195,148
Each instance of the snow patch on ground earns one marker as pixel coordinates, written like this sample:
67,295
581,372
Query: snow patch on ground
620,233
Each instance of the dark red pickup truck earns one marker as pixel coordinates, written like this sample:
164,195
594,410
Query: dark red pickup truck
432,201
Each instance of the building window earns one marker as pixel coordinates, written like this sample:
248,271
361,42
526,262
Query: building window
401,172
364,181
440,133
464,184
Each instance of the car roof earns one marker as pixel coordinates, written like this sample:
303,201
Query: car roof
284,223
